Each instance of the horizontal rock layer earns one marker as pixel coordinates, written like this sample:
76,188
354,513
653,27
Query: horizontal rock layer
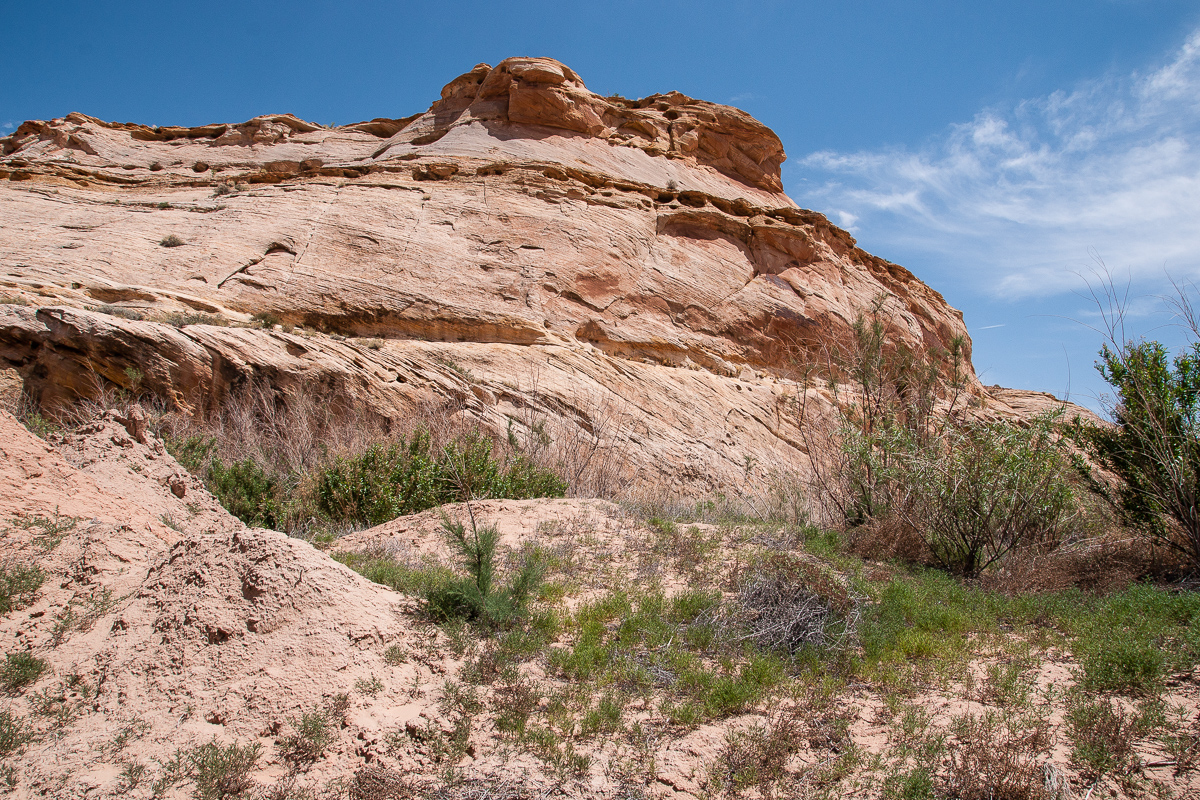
634,252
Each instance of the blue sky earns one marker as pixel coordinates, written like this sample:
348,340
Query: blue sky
999,151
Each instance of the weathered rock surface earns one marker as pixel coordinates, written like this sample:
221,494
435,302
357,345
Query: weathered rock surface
573,252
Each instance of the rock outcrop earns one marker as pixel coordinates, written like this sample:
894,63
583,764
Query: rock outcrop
565,251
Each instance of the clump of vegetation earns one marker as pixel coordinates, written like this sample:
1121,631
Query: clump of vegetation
292,462
19,584
172,241
478,597
123,313
1155,445
313,732
246,490
21,669
403,477
218,771
792,604
180,319
1103,736
983,489
265,319
14,732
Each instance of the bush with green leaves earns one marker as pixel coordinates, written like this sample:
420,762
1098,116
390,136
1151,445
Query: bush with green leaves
18,584
1155,445
218,771
21,669
982,489
388,481
15,732
479,596
247,490
315,730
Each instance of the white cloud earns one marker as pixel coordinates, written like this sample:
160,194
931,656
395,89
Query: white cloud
1019,196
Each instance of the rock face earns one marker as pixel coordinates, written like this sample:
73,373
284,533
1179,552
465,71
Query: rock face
567,251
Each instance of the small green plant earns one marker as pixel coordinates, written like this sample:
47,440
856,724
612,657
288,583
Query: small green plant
265,319
221,771
21,669
1102,737
123,313
81,614
395,655
172,241
314,731
19,584
370,687
477,597
132,775
997,755
48,532
757,756
14,732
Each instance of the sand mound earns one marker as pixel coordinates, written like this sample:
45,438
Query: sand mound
162,636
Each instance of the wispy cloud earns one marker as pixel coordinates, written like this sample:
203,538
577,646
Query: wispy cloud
1021,195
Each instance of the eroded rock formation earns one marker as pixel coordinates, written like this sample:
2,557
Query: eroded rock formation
567,250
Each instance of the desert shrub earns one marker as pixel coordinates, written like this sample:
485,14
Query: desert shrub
14,732
123,313
1155,445
221,771
1102,737
889,411
21,669
997,757
972,490
18,585
265,319
791,604
982,489
313,732
478,597
172,241
247,490
180,319
757,757
389,480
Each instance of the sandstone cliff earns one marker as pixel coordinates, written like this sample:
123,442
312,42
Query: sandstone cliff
524,246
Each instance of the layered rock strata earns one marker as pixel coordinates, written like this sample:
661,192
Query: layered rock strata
568,252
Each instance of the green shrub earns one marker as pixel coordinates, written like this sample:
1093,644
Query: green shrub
265,319
18,585
21,669
14,732
314,732
221,772
982,489
247,491
1155,445
387,481
476,597
1102,737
